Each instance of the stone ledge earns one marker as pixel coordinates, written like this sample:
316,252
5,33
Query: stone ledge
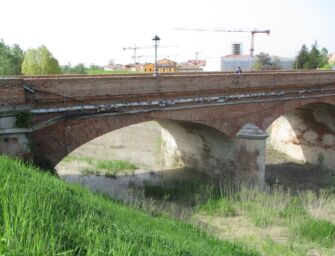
250,131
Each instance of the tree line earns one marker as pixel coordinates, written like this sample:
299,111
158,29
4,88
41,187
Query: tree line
306,59
40,61
35,61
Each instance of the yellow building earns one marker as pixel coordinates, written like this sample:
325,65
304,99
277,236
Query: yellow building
149,68
164,66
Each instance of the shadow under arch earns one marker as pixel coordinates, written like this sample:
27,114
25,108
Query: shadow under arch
53,143
197,146
205,148
306,133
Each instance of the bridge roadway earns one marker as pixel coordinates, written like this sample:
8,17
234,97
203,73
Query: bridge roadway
94,105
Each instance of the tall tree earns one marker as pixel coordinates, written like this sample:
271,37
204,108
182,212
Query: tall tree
78,69
10,59
262,62
312,59
302,59
324,57
40,62
275,63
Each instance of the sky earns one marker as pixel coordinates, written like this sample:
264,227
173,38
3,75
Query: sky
95,32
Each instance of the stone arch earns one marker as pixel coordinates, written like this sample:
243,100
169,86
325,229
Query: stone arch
51,144
306,133
279,109
198,146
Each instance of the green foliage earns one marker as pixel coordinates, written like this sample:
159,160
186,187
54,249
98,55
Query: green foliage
40,62
115,165
264,62
312,59
319,231
109,72
78,69
219,207
81,69
23,120
294,209
10,59
41,215
190,192
302,59
328,66
109,168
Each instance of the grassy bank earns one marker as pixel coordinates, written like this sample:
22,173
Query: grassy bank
41,215
274,221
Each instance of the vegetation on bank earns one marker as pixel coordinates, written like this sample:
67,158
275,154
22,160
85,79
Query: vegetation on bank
304,218
109,168
42,215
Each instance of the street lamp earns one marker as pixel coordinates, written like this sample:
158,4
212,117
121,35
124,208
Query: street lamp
156,41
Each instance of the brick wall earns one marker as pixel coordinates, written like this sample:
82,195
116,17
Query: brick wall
12,92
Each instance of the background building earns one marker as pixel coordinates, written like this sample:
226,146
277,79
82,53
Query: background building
163,66
237,59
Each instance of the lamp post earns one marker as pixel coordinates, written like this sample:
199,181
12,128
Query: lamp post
156,41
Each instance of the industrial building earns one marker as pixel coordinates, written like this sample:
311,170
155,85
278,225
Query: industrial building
237,59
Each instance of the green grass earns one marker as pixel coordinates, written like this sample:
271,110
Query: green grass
191,192
79,158
109,168
272,207
319,231
115,165
269,247
109,72
219,207
41,215
294,209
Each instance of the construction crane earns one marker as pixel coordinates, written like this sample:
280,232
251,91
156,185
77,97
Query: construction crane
134,48
197,55
252,33
152,56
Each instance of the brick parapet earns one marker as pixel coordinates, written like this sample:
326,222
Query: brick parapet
126,87
11,92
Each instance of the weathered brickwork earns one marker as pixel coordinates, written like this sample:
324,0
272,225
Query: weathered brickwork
284,91
11,92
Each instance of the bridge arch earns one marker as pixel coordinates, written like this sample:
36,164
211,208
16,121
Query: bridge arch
184,143
306,132
51,144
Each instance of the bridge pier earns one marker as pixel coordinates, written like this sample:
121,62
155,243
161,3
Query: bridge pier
14,137
210,151
250,152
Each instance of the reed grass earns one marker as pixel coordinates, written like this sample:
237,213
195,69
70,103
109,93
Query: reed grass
41,215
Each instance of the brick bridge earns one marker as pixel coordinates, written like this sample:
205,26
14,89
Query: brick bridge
216,122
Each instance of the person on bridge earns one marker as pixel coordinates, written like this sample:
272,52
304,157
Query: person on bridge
239,70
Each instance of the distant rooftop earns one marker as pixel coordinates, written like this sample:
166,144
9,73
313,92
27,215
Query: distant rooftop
237,56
